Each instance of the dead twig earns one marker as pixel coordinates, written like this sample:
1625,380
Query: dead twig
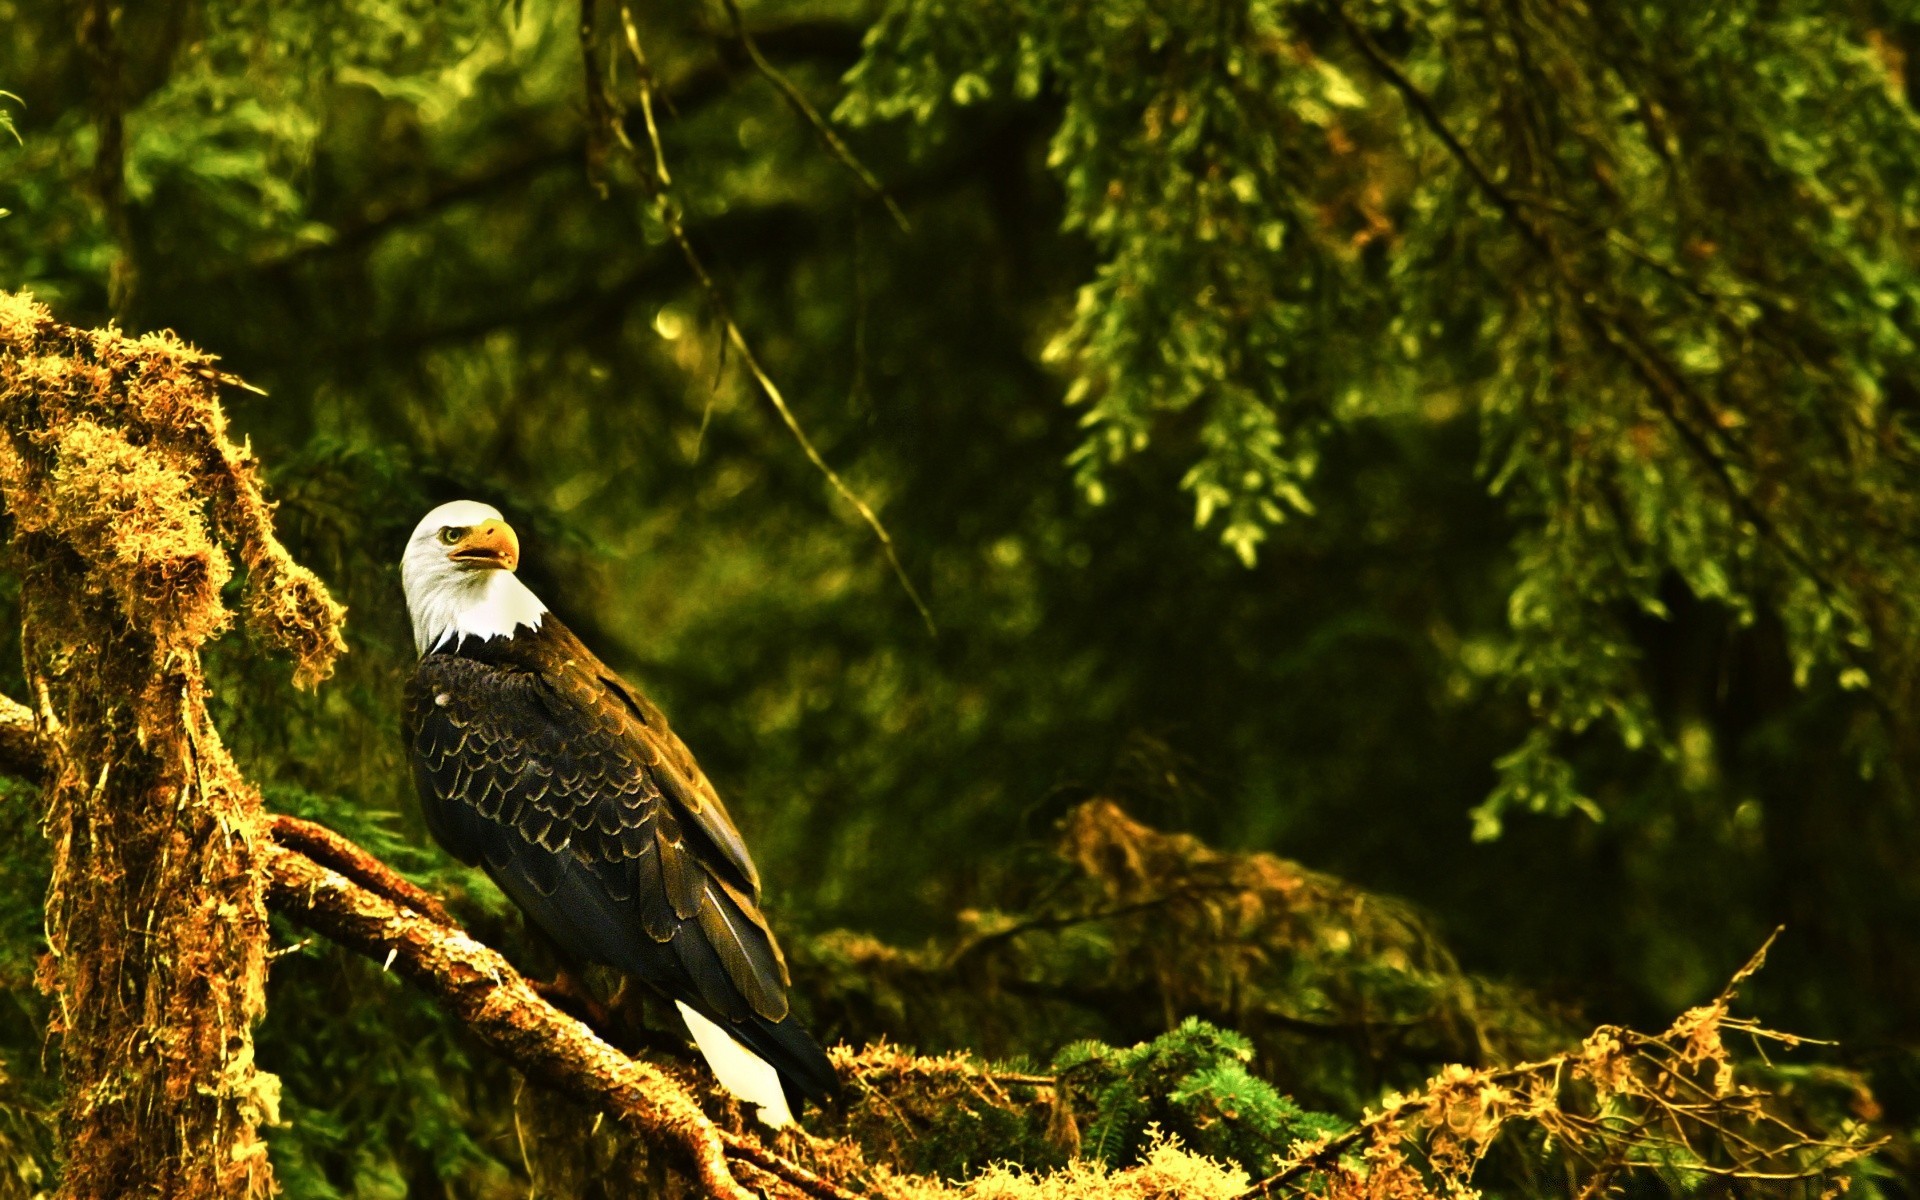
1679,1081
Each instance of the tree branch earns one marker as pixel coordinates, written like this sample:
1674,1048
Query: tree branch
338,853
794,96
478,987
498,1005
23,753
336,888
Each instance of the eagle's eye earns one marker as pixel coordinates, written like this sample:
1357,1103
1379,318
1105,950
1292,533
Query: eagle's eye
452,534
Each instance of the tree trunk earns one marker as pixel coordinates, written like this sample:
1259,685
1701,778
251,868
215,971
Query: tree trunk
124,495
156,914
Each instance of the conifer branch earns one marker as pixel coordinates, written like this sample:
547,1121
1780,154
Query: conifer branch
1665,386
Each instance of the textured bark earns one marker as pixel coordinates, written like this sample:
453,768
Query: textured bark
155,916
338,853
125,497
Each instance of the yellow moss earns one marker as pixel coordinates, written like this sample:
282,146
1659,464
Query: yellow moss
289,608
119,446
132,516
1168,1172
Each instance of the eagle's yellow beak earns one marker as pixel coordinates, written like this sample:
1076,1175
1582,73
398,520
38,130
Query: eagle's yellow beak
490,544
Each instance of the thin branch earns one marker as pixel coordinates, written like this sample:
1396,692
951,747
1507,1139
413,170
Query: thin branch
784,1169
644,70
601,107
739,342
341,854
837,147
1057,921
1754,962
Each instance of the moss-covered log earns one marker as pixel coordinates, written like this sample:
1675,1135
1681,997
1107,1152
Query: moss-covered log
125,498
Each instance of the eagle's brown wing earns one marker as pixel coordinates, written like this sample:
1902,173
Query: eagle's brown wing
535,761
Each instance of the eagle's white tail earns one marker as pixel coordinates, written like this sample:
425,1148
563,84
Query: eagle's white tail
740,1070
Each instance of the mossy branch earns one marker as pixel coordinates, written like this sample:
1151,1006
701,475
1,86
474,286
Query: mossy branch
338,889
499,1007
342,855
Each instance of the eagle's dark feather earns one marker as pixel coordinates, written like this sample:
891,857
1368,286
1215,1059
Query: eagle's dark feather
535,762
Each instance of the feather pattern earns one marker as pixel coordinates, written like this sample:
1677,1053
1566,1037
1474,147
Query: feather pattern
537,763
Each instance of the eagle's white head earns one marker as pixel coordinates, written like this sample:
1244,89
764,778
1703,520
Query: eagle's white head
458,575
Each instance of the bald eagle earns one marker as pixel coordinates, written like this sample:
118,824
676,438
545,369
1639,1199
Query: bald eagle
538,764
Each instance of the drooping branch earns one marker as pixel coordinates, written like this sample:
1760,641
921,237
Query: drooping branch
1666,387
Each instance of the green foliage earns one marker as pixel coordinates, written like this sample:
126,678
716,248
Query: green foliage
1191,1082
1293,230
1179,138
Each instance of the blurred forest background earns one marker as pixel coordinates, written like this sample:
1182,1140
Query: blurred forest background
1463,446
